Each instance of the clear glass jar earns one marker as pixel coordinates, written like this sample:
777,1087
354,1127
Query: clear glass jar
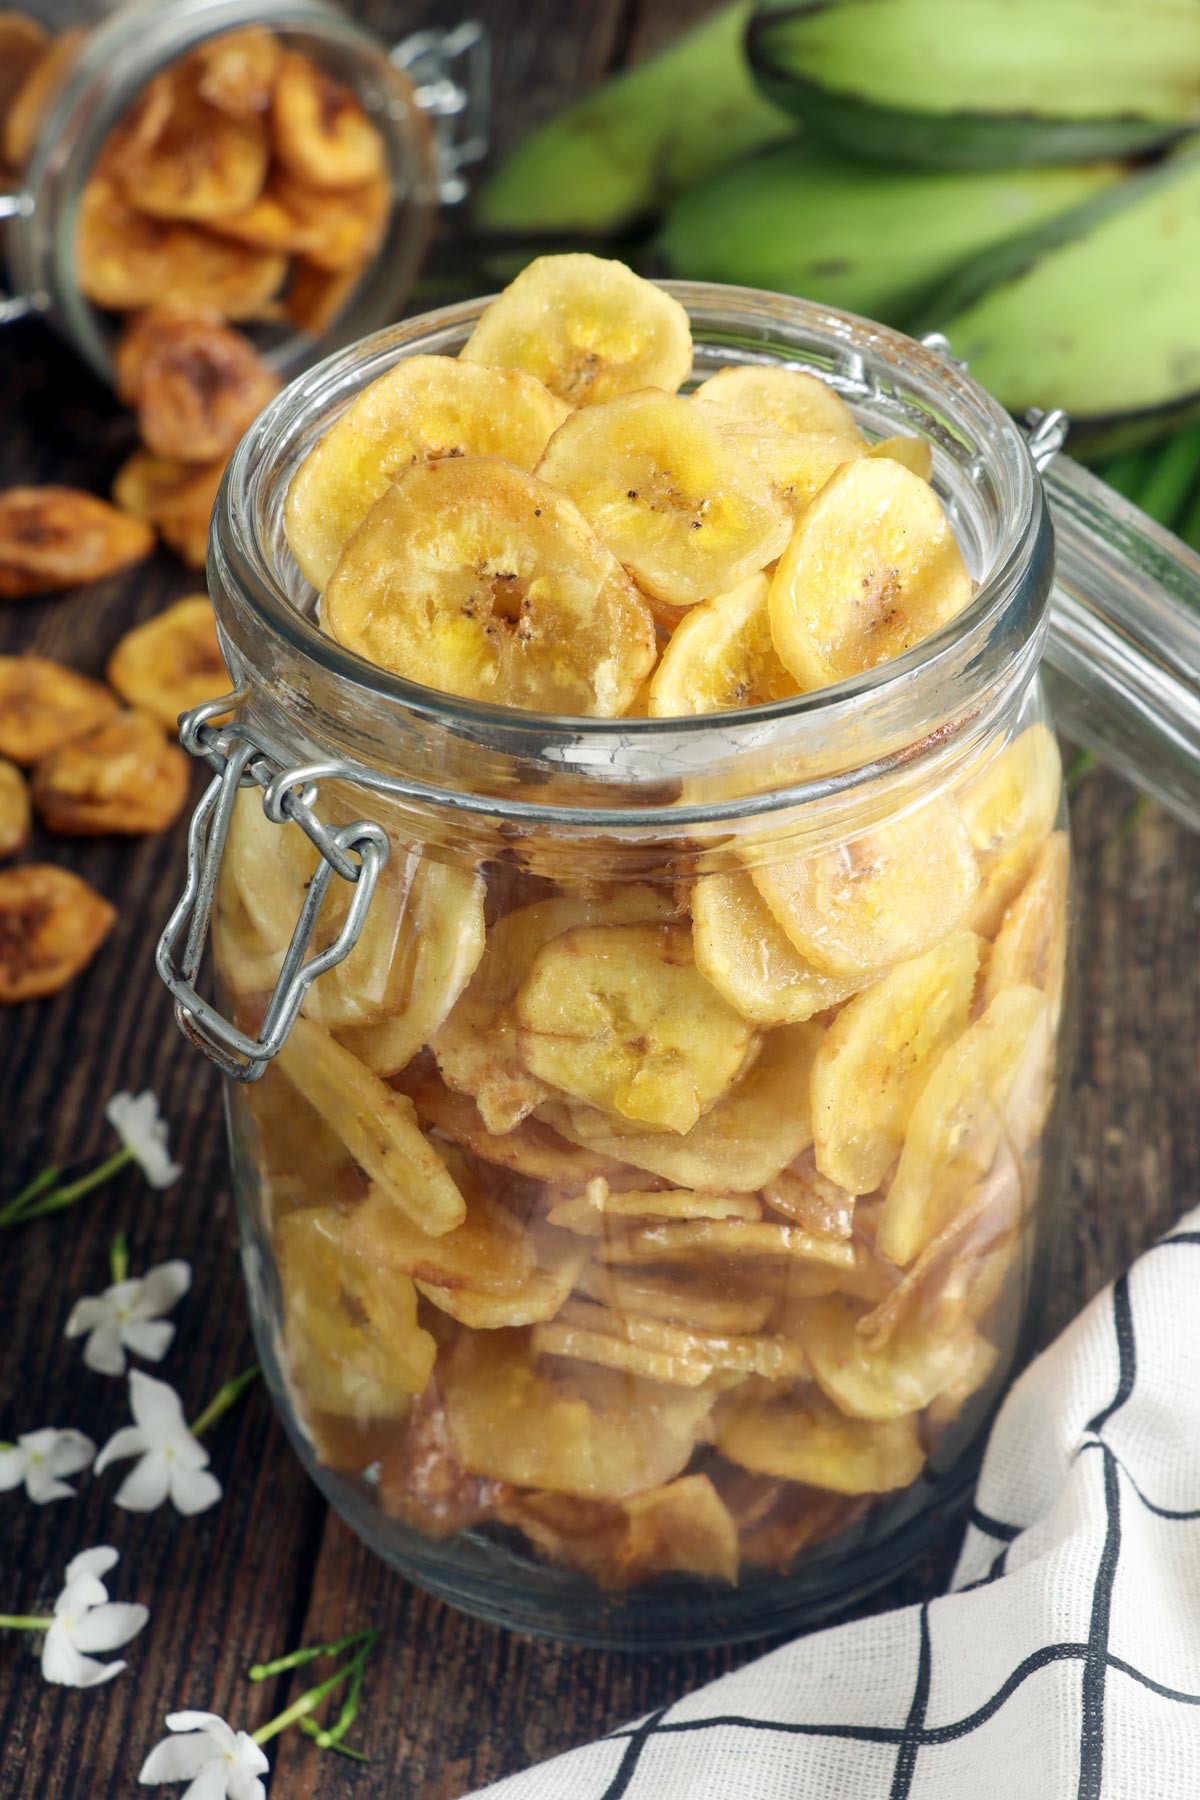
426,95
633,1346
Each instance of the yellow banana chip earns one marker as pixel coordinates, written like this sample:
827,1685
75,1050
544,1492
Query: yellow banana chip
854,908
744,951
1031,945
236,71
490,1252
872,569
1010,810
426,408
681,1240
791,400
887,1382
125,259
810,1199
171,662
685,514
475,578
878,1054
591,1214
597,1334
702,1298
321,133
720,657
802,1437
587,327
195,161
530,1148
915,453
683,1528
538,1296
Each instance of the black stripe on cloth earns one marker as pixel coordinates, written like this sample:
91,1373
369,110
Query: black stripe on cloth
998,1568
1176,1514
633,1750
1156,1687
997,1528
906,1759
1180,1237
1126,1355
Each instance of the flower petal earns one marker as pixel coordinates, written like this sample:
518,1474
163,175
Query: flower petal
146,1484
129,1441
193,1490
156,1407
86,1314
143,1132
108,1627
250,1755
210,1722
73,1451
179,1758
103,1351
63,1664
150,1338
42,1486
94,1674
212,1783
13,1464
95,1562
242,1781
162,1288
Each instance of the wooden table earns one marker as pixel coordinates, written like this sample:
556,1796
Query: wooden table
450,1703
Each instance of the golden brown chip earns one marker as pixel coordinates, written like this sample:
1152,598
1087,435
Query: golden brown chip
801,1193
51,926
126,260
43,705
422,1481
677,1354
801,1436
236,71
23,42
704,1298
531,1148
15,811
28,104
683,1528
681,1240
592,1214
123,777
176,497
315,296
337,229
867,1380
322,135
60,537
199,163
194,382
777,1519
171,663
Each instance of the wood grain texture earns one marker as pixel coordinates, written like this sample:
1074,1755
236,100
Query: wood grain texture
450,1702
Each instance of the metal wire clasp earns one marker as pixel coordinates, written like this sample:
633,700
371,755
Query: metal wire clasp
451,73
356,853
1045,432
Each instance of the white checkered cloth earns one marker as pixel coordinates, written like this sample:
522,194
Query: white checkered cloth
1065,1662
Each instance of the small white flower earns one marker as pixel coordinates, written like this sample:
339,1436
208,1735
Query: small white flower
171,1461
143,1131
41,1458
215,1759
85,1620
128,1316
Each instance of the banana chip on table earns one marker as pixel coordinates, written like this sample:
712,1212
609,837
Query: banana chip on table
1010,808
1031,944
720,657
170,663
60,537
878,1054
683,1527
988,1094
856,907
351,1338
15,810
321,133
872,568
122,777
743,950
471,576
592,1432
43,705
889,1381
426,408
685,514
589,328
194,384
801,1436
177,498
51,926
189,159
126,260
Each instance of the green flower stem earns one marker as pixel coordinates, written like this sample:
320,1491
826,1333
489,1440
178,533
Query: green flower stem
325,1742
307,1703
298,1658
62,1197
29,1192
118,1258
25,1621
333,1735
224,1398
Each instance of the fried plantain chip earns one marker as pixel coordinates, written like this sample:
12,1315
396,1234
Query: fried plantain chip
60,537
176,497
43,705
171,662
683,1527
338,230
316,296
126,260
800,1436
592,1214
321,133
531,1148
51,926
677,1354
43,72
122,777
705,1298
236,71
888,1381
194,383
801,1193
15,812
681,1240
422,1481
196,161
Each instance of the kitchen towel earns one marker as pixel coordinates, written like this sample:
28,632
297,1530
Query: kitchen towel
1064,1663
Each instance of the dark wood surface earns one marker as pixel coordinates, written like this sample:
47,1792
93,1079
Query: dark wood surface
450,1703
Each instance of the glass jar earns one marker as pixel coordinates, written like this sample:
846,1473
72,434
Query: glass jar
427,96
644,1131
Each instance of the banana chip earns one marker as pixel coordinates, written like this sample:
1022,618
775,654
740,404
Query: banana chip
1010,810
743,950
811,1200
854,908
776,1520
703,1299
683,1528
802,1437
530,1148
590,1214
761,1125
125,259
687,516
589,328
682,1240
872,569
43,705
1031,945
59,537
42,73
619,1015
915,453
194,383
236,72
791,400
889,1382
51,926
122,777
426,408
878,1054
196,161
592,1432
177,498
321,133
989,1088
422,1481
315,297
676,1354
170,663
490,1252
350,1332
797,463
720,657
378,1127
15,813
476,578
340,229
538,1296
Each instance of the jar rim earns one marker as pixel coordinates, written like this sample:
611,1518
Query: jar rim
964,670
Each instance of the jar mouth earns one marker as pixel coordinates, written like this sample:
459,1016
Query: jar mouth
945,688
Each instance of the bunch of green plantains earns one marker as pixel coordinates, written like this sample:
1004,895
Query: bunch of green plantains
1023,175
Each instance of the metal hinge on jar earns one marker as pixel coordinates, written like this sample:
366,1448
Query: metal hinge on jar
1045,432
451,73
355,853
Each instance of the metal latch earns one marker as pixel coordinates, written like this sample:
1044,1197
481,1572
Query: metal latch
1045,432
451,73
